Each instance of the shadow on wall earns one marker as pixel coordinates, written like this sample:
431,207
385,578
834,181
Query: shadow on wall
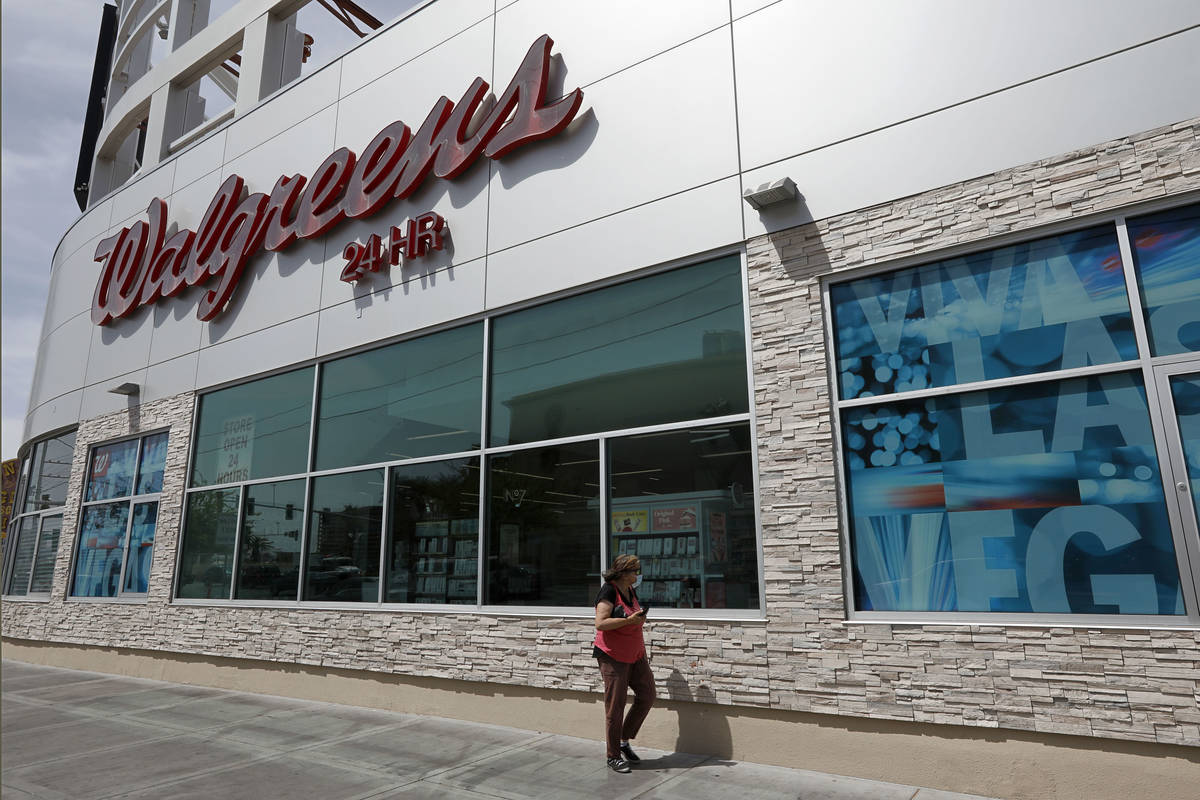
703,728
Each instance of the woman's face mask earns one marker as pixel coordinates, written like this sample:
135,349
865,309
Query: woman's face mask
637,581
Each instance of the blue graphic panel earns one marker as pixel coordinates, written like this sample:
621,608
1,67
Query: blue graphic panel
1044,497
101,548
1166,252
1185,391
111,470
1049,304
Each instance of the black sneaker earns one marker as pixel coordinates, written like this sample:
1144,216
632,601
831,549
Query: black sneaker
619,765
630,756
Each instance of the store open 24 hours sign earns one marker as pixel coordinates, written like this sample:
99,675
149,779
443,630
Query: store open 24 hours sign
141,265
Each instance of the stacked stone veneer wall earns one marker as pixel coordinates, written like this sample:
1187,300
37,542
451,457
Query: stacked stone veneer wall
1127,684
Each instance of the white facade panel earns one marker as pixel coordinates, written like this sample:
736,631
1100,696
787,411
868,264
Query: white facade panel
275,287
91,224
121,345
428,28
72,286
170,377
635,140
129,205
62,360
632,32
55,413
811,74
1102,100
177,332
299,149
689,222
285,111
202,158
277,346
97,399
422,300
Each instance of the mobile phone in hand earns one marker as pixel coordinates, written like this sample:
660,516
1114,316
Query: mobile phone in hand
646,608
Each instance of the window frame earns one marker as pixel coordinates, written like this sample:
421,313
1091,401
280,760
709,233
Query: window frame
24,479
131,500
1187,549
483,454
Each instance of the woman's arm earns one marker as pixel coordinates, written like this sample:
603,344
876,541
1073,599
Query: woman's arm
605,621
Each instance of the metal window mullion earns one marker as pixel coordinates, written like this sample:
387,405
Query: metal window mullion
125,549
133,492
217,487
484,438
605,499
385,534
1133,290
666,427
313,414
305,532
237,542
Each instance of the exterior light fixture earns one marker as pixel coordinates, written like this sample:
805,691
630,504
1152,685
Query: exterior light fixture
771,193
129,389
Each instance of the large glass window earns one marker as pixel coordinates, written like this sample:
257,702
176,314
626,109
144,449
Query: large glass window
343,544
434,543
256,430
116,542
209,535
544,511
1166,251
33,535
409,499
660,349
682,501
1034,493
412,399
1052,303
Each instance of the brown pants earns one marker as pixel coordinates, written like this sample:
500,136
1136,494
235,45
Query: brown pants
619,678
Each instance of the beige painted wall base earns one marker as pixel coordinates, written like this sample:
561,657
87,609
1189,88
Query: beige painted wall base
992,762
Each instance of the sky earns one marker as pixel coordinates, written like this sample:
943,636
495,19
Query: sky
48,48
46,53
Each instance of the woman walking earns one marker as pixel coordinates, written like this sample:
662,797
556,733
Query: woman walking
621,653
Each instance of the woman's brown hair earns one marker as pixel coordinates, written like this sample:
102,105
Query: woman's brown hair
625,562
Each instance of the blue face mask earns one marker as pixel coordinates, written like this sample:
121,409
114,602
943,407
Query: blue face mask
637,581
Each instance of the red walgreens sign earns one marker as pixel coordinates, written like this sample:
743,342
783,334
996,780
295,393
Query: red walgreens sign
141,264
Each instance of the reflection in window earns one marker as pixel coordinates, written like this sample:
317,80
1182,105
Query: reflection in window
206,564
1166,251
1044,305
22,563
1185,392
408,400
269,557
434,543
542,547
683,503
665,348
343,540
141,547
101,550
110,473
51,473
154,460
256,430
1044,497
47,550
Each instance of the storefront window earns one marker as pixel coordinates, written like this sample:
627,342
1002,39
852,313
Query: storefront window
1044,305
544,512
344,535
269,541
256,430
661,349
32,544
206,564
400,429
1166,251
682,502
434,543
1185,392
116,544
412,399
1036,494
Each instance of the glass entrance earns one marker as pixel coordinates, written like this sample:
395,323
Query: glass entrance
1179,395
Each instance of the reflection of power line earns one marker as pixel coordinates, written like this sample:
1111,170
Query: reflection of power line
612,342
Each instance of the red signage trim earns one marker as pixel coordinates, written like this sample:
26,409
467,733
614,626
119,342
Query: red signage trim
140,264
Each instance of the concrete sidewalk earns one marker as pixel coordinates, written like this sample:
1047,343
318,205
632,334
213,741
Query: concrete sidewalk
86,735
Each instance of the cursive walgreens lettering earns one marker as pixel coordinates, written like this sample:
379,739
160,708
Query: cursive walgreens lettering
140,264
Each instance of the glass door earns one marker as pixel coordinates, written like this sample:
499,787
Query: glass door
1179,396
